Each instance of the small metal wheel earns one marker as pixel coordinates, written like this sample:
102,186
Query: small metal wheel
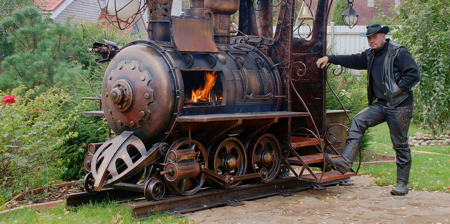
154,189
186,185
228,158
265,155
89,184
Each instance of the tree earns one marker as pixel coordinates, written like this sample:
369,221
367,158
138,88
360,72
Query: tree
6,8
42,51
338,8
423,27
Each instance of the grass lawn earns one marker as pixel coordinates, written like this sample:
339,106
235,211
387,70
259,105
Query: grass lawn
90,214
429,163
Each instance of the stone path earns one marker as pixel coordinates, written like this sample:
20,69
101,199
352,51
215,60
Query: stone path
359,203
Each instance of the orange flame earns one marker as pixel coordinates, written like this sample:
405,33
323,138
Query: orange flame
204,92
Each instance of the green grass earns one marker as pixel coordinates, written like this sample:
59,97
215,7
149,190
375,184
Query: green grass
90,214
429,163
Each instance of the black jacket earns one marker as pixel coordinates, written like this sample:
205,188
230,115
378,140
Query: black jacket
400,72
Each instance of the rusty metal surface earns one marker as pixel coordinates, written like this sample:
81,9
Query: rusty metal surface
137,92
239,116
264,15
193,35
227,7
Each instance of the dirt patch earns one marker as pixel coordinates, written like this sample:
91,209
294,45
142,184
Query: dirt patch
45,194
360,203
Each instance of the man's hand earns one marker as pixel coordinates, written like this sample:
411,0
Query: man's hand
322,62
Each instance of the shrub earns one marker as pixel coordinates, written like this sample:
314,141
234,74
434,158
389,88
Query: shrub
32,128
351,90
86,130
423,27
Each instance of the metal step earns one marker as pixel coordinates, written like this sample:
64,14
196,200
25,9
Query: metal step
298,141
310,159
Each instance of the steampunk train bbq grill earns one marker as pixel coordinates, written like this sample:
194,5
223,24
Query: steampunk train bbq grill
199,106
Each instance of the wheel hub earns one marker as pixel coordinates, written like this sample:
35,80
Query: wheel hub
122,95
267,158
230,162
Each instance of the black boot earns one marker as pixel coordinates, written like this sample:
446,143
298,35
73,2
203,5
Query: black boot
402,180
344,163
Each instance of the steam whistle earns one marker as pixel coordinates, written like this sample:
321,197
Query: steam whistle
107,50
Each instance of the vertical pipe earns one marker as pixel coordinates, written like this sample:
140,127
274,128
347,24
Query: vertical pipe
264,15
247,18
159,20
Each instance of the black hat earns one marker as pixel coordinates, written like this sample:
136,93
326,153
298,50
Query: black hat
376,28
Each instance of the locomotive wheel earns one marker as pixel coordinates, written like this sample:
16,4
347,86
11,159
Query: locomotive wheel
188,186
265,152
89,184
154,189
229,159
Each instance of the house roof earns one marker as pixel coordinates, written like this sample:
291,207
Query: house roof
77,10
48,5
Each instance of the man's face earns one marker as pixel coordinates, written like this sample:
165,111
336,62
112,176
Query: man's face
377,41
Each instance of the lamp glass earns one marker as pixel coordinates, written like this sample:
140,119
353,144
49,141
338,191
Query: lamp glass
123,9
350,17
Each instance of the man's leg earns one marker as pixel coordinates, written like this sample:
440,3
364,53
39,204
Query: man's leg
398,120
369,117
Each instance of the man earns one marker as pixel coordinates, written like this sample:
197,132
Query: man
391,73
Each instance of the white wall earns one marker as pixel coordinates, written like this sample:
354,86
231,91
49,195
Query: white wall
342,39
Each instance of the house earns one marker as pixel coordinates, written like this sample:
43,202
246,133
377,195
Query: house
369,10
77,10
91,11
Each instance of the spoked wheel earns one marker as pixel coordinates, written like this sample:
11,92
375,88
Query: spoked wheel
228,158
183,161
89,184
154,189
265,155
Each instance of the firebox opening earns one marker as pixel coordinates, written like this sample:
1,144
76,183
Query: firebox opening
202,88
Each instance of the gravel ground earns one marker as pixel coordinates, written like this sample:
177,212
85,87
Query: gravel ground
360,203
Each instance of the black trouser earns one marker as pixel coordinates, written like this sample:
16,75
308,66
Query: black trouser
398,120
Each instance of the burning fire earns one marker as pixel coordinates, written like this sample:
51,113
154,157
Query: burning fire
203,93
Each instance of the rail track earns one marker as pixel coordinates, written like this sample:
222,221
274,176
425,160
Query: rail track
140,208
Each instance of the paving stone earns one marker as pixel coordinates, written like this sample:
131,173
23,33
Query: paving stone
360,203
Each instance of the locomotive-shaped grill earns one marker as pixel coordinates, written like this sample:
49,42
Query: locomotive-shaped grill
199,106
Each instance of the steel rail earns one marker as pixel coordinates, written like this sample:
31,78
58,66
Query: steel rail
204,199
